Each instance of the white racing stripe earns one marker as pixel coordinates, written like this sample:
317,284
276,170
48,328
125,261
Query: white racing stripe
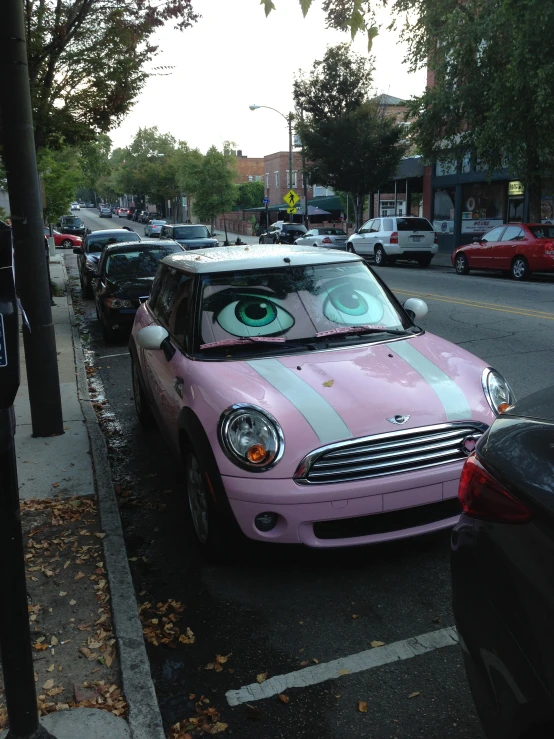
450,395
321,416
367,660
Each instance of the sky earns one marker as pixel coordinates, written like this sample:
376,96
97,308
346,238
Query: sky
235,57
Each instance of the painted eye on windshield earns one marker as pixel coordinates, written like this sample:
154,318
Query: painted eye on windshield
346,305
254,315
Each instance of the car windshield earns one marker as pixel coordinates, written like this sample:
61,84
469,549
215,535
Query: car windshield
139,263
191,232
96,244
69,221
331,232
296,303
542,232
413,224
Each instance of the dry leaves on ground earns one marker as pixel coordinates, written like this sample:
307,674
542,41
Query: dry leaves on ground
205,722
159,624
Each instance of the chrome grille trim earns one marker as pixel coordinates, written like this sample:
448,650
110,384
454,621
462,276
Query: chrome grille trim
387,454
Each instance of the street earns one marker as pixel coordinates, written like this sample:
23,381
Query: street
272,611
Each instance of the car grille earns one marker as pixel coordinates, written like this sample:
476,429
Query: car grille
385,523
389,454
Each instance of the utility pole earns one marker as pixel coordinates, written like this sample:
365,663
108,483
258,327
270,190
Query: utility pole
290,118
18,152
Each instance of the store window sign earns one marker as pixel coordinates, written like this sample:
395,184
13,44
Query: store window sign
479,225
516,188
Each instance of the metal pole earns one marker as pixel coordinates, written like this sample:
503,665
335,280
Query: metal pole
18,152
291,217
15,635
395,198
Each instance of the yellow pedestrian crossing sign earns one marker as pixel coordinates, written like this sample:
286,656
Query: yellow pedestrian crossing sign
292,210
291,198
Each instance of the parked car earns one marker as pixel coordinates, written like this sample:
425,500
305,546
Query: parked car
283,233
191,236
514,248
154,228
66,241
72,225
330,238
136,214
90,205
123,212
306,405
401,237
502,574
75,206
124,277
105,212
91,250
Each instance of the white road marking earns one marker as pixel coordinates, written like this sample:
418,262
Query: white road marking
344,666
109,356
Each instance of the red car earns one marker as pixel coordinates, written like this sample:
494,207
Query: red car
123,212
514,248
66,241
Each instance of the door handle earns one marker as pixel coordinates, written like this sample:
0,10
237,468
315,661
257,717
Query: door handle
178,386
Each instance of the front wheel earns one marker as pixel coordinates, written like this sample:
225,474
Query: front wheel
350,249
262,240
86,287
380,256
461,264
520,269
67,244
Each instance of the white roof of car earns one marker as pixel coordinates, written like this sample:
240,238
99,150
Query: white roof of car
254,256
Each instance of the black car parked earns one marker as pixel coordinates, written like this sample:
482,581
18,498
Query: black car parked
72,225
125,274
503,572
283,233
190,236
91,249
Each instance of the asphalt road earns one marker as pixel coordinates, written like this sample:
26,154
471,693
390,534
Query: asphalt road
278,610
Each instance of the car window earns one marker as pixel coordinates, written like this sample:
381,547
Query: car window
158,223
413,224
366,227
180,316
164,298
191,232
96,244
139,263
493,235
542,232
513,233
387,224
376,226
313,232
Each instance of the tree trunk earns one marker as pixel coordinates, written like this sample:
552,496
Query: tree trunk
534,188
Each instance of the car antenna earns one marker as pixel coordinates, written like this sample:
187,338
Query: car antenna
286,260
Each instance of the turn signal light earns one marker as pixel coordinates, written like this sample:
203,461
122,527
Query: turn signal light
503,407
257,453
483,497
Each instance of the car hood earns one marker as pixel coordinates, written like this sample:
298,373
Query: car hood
324,397
197,243
94,257
130,287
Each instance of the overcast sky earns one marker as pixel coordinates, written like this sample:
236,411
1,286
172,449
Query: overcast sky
235,56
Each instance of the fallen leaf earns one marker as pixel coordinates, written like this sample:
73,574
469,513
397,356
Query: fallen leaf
344,672
217,728
316,661
51,668
262,676
79,576
304,663
48,684
283,698
355,615
328,383
54,641
377,643
98,535
62,593
72,602
414,694
362,706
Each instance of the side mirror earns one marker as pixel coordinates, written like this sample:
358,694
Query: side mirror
151,337
416,308
476,240
76,250
89,231
357,231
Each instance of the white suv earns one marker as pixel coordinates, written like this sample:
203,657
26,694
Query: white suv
401,237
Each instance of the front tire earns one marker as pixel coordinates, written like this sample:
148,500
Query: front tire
67,244
520,269
461,264
86,288
380,257
350,248
261,240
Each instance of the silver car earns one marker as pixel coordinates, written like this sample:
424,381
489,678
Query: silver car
401,237
330,238
154,228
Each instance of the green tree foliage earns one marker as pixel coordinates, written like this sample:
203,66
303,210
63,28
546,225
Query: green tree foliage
88,59
250,194
61,174
493,95
349,144
209,179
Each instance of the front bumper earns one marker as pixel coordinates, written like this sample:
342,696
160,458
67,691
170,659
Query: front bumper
348,514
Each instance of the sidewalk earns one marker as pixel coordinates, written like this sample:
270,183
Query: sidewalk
91,667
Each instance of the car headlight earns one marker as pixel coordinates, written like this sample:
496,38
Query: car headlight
118,303
498,393
250,437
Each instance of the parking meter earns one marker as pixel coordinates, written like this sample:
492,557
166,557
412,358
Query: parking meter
9,334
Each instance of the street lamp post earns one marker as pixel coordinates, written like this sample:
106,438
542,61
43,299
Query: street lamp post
289,118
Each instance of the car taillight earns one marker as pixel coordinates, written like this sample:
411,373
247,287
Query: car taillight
549,247
483,497
394,237
326,240
436,238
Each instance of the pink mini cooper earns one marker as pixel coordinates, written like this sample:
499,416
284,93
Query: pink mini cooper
305,404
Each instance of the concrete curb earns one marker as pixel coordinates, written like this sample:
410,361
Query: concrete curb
145,719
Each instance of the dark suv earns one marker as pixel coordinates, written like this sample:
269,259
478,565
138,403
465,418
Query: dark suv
72,225
189,235
283,233
91,249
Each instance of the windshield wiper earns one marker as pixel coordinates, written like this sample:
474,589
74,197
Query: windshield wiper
359,330
279,341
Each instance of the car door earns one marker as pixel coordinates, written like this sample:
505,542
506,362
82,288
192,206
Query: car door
374,235
482,254
308,239
509,245
361,244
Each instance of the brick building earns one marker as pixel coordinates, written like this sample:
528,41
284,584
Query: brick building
249,169
276,176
